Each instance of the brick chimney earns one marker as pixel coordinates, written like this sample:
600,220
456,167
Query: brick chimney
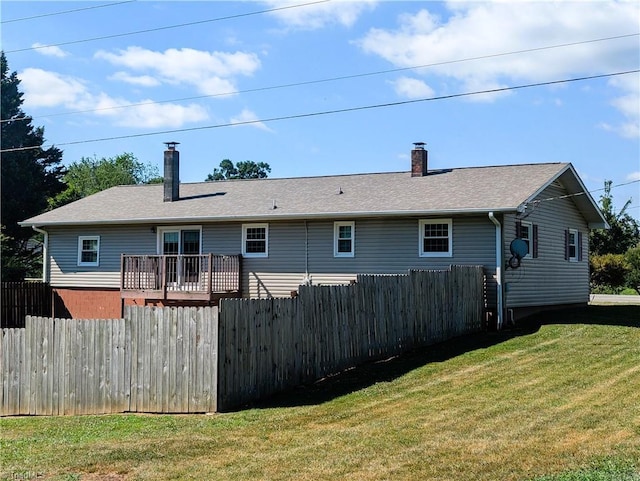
171,172
418,160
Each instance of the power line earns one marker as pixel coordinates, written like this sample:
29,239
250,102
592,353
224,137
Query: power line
334,79
66,11
337,111
566,196
167,27
536,203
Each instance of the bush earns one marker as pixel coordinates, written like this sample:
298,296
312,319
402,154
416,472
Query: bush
608,271
632,258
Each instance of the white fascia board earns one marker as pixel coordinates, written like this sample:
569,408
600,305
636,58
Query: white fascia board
266,218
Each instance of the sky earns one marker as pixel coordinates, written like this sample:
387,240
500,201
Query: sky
336,87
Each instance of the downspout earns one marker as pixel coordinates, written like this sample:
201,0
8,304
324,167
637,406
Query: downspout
499,264
307,280
45,253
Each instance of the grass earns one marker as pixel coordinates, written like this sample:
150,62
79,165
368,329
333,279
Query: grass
557,399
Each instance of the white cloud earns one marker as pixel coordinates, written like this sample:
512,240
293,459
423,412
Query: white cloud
482,30
141,80
315,16
50,89
633,176
247,117
412,88
50,51
146,114
42,88
628,104
210,72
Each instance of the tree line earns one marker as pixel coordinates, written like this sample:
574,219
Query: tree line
614,253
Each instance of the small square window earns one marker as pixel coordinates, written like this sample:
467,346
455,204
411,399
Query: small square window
255,239
344,239
88,250
436,238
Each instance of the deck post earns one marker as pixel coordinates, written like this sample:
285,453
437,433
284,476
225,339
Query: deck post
165,262
122,264
210,285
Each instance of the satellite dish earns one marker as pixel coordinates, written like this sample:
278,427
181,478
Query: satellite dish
518,248
514,262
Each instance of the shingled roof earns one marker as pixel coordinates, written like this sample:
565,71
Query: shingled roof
440,192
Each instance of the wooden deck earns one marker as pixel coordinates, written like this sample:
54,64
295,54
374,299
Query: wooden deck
204,277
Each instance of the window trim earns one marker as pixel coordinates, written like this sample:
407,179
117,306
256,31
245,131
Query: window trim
529,239
245,227
81,239
336,238
576,245
421,224
178,228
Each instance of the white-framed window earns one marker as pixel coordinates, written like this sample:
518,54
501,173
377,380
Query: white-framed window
176,240
573,248
182,244
89,250
255,240
436,238
344,239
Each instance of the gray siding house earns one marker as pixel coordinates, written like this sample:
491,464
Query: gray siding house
188,243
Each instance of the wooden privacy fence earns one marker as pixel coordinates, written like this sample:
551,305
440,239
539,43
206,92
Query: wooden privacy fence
155,360
272,344
21,299
205,359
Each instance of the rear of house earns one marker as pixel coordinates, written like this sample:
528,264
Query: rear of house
181,243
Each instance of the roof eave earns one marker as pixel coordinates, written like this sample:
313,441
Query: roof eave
592,215
263,218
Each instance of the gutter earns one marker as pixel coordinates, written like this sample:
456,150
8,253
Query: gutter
45,253
499,264
266,218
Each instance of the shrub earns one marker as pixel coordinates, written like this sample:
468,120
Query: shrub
632,258
608,270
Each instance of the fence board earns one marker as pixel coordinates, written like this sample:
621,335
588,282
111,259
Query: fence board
21,299
336,327
68,366
208,359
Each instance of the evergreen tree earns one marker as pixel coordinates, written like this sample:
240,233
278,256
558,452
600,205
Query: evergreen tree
28,178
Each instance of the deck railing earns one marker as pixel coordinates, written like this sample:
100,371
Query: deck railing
179,276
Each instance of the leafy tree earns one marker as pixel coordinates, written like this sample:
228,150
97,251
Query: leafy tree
29,178
242,170
633,261
91,175
624,231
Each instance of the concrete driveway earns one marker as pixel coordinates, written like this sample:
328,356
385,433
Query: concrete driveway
613,299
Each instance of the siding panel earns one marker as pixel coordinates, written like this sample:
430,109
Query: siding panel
549,279
382,246
114,240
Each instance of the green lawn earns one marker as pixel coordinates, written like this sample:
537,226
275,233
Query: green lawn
553,402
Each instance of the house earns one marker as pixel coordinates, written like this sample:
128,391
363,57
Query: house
195,243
